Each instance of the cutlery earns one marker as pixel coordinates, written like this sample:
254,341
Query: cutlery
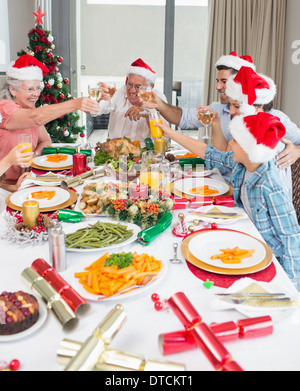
140,285
175,259
45,179
263,299
248,294
214,214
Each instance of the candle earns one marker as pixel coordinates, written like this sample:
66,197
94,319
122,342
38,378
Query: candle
30,211
79,164
160,145
140,190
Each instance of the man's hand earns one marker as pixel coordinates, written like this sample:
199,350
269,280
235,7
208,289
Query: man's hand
135,113
289,155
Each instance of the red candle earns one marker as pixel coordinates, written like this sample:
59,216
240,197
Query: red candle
139,191
79,164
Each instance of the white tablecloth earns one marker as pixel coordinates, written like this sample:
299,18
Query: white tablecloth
37,352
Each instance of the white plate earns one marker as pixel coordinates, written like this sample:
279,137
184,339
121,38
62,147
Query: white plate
185,185
209,243
41,320
61,196
223,209
68,276
66,145
195,172
75,227
41,161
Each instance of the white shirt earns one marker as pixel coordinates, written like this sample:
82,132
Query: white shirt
118,125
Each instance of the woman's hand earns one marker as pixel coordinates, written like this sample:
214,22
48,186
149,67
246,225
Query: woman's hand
168,132
216,117
20,181
87,105
18,158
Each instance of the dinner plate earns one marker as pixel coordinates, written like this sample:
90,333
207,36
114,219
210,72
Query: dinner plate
213,241
66,145
73,228
265,262
195,172
241,215
68,276
61,196
33,329
186,185
41,161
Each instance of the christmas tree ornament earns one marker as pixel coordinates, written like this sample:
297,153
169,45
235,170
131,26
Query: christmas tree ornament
39,17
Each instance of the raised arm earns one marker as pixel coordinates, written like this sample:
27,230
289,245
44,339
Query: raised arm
170,113
25,118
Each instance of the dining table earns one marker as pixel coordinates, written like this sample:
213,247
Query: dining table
141,333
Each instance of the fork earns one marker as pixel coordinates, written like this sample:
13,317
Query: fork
140,285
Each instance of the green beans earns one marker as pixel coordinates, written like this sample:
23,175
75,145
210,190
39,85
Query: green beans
98,235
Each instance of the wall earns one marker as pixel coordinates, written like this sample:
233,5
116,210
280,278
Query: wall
291,72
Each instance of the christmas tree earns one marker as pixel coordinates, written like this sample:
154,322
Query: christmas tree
64,129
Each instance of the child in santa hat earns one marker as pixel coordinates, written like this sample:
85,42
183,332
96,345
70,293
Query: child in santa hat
256,185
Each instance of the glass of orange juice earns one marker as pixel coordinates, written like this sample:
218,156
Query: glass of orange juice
25,140
154,117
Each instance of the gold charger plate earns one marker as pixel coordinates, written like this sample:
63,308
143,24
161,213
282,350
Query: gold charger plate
71,201
50,168
183,195
218,270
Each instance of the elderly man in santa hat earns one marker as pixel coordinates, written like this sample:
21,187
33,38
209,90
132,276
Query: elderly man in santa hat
127,116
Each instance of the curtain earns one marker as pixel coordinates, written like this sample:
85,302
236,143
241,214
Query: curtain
253,27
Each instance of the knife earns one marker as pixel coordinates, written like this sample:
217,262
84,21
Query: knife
214,214
45,179
248,294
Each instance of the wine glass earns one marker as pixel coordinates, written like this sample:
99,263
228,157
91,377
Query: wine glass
95,92
111,89
145,93
206,118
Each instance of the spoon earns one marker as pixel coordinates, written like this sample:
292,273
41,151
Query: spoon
175,259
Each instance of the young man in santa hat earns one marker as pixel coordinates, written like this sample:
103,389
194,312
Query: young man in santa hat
254,178
125,108
227,66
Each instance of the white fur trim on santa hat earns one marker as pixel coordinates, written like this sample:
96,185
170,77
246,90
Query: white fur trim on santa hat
263,96
25,74
234,62
258,153
146,73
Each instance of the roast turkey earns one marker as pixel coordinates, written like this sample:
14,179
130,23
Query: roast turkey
120,146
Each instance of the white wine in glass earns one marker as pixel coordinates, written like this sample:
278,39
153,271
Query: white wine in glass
95,92
111,89
206,118
145,93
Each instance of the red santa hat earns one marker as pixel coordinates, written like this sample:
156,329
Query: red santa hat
258,135
27,68
236,62
250,88
139,67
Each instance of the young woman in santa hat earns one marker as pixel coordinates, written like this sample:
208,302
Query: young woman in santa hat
255,180
19,92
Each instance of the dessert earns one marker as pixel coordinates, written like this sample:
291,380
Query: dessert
18,312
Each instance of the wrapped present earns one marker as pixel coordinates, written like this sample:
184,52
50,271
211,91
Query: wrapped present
77,303
65,151
147,236
224,201
53,301
204,337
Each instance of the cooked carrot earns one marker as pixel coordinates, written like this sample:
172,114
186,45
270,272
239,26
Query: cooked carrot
42,195
234,255
108,280
56,158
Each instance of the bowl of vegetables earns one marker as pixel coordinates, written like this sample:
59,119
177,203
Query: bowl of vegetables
125,168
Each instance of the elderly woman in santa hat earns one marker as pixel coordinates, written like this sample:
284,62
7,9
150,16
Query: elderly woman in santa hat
256,184
19,92
125,108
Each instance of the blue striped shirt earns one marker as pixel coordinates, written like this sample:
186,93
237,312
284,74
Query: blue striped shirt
272,210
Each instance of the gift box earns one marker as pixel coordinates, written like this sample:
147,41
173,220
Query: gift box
148,235
77,303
